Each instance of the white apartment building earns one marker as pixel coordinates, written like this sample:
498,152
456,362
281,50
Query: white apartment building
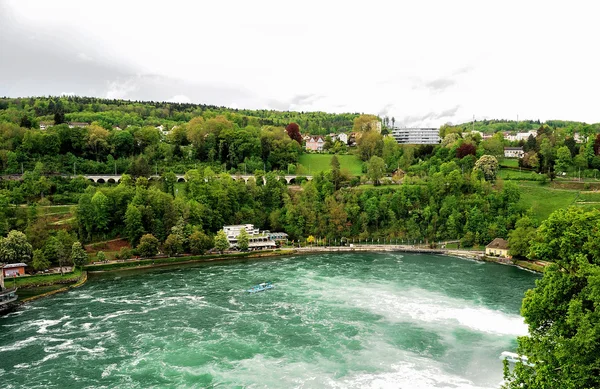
417,136
258,239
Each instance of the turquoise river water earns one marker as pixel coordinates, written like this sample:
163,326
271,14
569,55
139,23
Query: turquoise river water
368,320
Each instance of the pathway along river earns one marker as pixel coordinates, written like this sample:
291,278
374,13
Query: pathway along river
368,320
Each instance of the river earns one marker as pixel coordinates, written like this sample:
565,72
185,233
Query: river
367,320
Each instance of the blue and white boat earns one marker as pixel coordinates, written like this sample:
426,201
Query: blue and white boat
261,287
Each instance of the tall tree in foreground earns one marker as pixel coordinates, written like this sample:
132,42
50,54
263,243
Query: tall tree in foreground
243,240
563,310
148,246
488,166
221,242
375,169
15,248
293,131
78,255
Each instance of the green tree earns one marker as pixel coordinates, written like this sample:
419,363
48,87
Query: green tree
375,169
134,227
100,256
562,310
221,242
243,240
15,248
488,166
519,239
173,245
200,242
370,144
335,172
148,246
563,159
169,180
39,260
101,208
78,255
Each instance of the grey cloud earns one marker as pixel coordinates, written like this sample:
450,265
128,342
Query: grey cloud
440,84
409,121
294,102
37,62
385,111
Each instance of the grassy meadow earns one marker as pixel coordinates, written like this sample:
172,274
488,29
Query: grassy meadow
316,163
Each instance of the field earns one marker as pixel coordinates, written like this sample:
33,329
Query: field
544,200
316,163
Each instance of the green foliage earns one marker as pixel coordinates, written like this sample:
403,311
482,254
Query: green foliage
375,169
133,224
39,260
200,243
243,240
221,242
15,248
148,246
519,239
100,256
78,255
561,311
316,163
488,166
173,245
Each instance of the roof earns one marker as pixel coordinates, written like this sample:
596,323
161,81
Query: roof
13,265
498,243
514,148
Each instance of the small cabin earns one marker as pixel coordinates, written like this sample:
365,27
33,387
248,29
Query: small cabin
497,248
14,269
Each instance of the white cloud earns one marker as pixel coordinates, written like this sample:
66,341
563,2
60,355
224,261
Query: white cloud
179,99
411,60
84,57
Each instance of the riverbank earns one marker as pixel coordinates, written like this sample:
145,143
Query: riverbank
133,264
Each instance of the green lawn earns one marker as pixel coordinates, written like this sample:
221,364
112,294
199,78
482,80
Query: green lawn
31,281
509,174
510,162
544,200
316,163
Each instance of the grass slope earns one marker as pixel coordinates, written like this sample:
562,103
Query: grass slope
544,200
316,163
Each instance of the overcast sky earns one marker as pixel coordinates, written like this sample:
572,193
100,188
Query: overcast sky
423,62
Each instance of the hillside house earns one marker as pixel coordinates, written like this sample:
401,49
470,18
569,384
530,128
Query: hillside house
513,152
343,138
45,125
315,143
497,248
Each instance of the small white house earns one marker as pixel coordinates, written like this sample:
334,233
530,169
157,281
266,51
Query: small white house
343,138
513,152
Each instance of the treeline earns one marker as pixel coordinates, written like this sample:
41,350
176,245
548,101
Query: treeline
122,113
216,142
495,125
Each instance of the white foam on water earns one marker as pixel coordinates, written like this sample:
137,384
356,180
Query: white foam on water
407,376
109,369
421,306
44,324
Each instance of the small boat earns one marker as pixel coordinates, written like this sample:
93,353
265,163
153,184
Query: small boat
515,358
261,287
